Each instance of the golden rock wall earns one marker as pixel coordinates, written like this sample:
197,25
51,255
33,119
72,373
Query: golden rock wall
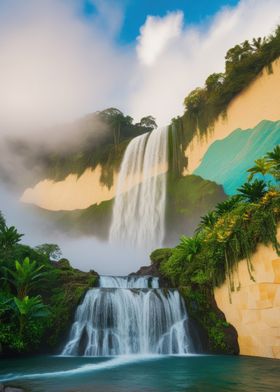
255,308
259,101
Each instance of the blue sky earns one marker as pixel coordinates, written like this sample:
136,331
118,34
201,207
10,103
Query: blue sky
66,58
136,11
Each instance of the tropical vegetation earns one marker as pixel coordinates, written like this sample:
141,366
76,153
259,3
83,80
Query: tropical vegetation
227,234
103,137
38,294
243,63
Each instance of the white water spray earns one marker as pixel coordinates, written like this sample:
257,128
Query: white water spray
139,208
123,321
129,282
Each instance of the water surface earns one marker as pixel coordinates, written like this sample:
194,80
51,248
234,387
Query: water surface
142,374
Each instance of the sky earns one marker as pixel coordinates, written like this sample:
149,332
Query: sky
63,59
135,12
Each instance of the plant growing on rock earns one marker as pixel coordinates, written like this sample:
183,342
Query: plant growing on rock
226,235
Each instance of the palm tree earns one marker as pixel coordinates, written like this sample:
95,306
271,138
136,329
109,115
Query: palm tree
9,237
207,221
188,248
274,155
29,309
273,158
2,221
246,49
257,43
227,205
262,166
26,276
253,191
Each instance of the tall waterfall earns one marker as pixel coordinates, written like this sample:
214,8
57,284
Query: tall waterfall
128,315
139,208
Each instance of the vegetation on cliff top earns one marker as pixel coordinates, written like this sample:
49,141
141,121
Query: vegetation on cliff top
102,139
229,233
35,287
244,62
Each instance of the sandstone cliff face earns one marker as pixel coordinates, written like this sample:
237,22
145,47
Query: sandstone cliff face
255,309
260,101
70,194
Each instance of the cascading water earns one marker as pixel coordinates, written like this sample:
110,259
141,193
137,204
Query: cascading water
129,282
139,208
129,315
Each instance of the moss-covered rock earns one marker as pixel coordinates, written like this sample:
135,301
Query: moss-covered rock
60,290
68,290
221,336
160,255
215,334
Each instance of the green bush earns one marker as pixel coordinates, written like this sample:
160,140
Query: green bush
229,233
37,298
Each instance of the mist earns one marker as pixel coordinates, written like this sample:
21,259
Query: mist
57,65
84,253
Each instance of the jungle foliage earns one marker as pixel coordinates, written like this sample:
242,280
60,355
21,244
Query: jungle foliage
38,295
243,63
103,137
229,233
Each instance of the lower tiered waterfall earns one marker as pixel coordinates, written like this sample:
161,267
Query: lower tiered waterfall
139,208
129,315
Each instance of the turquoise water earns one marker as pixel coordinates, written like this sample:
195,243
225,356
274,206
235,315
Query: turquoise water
226,161
142,374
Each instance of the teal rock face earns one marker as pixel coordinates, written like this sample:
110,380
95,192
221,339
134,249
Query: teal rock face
226,161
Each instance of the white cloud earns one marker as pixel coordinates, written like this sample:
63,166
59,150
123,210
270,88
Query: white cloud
56,65
157,34
177,67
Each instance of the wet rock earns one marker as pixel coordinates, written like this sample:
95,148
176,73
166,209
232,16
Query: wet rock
157,257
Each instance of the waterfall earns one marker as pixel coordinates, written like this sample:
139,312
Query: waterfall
129,315
129,282
139,208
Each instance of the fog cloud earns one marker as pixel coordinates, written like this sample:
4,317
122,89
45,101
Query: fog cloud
185,55
57,65
84,253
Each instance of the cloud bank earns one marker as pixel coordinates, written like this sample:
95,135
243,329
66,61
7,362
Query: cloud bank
185,55
57,65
